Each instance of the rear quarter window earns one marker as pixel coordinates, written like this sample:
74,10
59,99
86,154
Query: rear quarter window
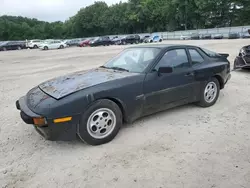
195,57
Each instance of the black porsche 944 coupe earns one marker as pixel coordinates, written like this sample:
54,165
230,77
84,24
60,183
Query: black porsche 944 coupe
243,58
142,80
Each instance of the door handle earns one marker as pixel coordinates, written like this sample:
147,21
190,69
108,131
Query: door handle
189,74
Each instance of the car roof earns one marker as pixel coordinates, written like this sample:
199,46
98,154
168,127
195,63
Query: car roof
163,46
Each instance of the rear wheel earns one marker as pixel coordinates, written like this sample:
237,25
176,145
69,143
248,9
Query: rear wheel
160,40
100,123
61,47
45,48
209,93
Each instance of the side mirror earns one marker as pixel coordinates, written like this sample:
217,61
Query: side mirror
165,70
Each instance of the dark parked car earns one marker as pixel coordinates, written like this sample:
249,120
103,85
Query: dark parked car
101,41
195,36
233,36
131,39
73,42
12,45
206,36
218,36
139,81
243,58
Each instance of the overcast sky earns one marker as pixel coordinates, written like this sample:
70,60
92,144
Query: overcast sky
48,10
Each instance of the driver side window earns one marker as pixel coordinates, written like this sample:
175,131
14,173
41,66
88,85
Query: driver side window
177,59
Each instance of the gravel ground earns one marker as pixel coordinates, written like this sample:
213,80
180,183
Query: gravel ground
186,147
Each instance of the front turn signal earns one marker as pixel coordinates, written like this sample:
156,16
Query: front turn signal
39,121
61,120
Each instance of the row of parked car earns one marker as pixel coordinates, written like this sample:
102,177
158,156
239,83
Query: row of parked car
196,36
33,44
119,40
82,42
106,41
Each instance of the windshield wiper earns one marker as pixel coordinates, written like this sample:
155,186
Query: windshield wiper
119,69
115,68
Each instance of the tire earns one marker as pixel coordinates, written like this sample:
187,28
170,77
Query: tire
151,41
4,49
123,42
61,47
89,134
137,42
19,48
45,48
205,102
35,46
160,40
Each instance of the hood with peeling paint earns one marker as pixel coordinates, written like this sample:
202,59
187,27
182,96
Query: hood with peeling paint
65,85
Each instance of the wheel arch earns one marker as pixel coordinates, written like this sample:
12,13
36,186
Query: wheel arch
220,79
121,105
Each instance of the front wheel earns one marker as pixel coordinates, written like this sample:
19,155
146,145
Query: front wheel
209,93
45,48
61,47
100,123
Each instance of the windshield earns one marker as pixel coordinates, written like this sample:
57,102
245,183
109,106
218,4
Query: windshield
133,60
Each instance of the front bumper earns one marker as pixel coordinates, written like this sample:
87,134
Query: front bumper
51,131
242,62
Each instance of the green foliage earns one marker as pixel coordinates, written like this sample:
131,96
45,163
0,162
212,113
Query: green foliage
134,16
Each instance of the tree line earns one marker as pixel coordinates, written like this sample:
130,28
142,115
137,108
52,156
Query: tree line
134,16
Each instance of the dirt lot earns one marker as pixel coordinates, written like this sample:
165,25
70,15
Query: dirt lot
186,147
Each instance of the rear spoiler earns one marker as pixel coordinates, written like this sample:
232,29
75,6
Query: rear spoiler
224,55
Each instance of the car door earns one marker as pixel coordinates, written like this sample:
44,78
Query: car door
8,46
105,41
198,60
99,42
166,90
129,39
51,44
56,44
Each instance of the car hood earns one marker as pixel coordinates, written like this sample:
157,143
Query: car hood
65,85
